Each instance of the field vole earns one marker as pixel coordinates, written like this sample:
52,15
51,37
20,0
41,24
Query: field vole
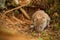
40,20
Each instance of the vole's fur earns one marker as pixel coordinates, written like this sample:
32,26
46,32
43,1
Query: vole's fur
40,20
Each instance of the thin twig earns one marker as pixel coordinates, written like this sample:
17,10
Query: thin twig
12,9
25,13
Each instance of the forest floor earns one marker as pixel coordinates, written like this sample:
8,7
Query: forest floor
50,33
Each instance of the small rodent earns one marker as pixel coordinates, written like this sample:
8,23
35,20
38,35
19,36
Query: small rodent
40,20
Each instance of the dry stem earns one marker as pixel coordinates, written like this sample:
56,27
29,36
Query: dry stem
23,11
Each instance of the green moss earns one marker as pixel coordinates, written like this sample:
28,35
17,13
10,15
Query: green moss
58,7
34,33
40,38
2,4
50,1
56,26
